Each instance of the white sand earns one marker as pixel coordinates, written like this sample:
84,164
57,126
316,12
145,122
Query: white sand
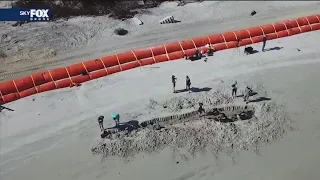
49,136
39,46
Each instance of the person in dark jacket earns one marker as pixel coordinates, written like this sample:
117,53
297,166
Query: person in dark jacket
201,109
234,89
174,81
188,84
100,121
264,41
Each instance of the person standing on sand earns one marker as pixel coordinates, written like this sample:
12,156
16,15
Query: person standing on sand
201,109
238,45
234,89
264,41
188,84
100,121
247,92
174,81
116,118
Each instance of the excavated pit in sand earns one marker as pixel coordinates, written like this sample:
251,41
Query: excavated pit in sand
198,134
220,114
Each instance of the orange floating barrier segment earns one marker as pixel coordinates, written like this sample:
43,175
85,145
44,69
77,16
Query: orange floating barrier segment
81,72
10,97
1,98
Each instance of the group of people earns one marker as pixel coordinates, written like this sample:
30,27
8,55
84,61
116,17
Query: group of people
199,54
174,82
246,95
248,50
115,117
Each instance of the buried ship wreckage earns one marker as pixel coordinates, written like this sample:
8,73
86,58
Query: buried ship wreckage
225,126
226,114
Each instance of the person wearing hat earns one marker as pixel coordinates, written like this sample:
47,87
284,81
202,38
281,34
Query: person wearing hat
116,118
100,121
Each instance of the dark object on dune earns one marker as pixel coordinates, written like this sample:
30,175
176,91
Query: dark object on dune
196,56
104,134
121,31
181,3
253,13
19,23
249,50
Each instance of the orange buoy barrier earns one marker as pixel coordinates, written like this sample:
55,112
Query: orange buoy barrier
76,74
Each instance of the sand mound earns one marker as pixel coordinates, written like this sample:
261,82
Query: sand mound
180,103
201,134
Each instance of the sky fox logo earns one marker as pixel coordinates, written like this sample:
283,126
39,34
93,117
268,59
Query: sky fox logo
36,14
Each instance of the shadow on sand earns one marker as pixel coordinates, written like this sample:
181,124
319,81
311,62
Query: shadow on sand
259,99
129,126
194,89
274,48
249,50
251,94
5,108
254,51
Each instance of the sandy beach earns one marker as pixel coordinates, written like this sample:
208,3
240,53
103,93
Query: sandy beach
51,135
